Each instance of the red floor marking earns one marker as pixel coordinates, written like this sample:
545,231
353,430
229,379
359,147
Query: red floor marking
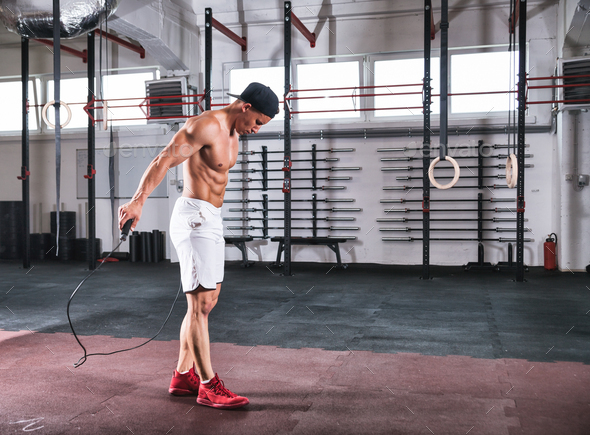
290,390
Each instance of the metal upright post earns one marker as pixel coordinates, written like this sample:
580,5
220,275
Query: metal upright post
314,214
265,216
426,145
287,141
264,167
314,161
479,165
444,78
208,55
520,204
25,153
91,232
56,97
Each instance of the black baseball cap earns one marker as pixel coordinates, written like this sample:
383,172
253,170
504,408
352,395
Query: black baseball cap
261,97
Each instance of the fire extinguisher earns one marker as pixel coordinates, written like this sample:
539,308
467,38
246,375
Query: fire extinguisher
550,252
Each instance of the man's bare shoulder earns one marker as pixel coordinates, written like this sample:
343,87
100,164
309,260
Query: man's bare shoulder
203,127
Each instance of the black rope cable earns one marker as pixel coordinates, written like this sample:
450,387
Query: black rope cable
57,98
514,53
83,359
510,50
511,160
512,83
123,237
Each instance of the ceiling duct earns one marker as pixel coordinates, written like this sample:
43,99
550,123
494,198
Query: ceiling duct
153,45
34,18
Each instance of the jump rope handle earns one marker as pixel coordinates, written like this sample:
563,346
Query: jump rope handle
125,230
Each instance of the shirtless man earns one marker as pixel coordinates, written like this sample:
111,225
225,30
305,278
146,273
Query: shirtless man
207,146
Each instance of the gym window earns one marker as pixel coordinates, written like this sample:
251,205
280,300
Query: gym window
11,114
404,71
74,93
328,75
273,77
481,72
124,90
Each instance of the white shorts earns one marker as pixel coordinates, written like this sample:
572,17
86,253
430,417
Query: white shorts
196,230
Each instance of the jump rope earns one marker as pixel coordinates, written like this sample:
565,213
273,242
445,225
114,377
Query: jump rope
82,360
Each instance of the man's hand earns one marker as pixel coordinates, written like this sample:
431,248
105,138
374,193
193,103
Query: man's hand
130,210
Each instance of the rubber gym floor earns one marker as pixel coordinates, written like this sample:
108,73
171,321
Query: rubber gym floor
371,349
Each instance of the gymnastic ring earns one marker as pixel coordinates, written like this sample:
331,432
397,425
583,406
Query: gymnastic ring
51,103
511,171
455,179
105,119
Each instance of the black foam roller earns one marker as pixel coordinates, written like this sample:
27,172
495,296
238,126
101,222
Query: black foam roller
149,249
156,246
145,245
134,242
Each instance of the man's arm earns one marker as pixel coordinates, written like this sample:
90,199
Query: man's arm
188,141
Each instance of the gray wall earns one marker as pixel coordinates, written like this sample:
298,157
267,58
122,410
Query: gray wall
342,27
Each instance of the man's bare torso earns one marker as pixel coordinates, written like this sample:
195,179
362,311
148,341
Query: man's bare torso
206,172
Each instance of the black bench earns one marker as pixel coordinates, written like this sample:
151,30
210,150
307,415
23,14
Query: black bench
331,243
240,243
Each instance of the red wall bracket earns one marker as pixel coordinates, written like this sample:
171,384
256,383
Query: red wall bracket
91,172
81,54
231,35
514,17
24,173
304,31
136,48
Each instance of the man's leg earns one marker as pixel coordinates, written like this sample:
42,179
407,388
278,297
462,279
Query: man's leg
194,332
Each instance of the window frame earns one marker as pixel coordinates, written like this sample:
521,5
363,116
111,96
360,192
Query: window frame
366,66
460,116
502,114
42,98
393,118
34,104
229,66
362,101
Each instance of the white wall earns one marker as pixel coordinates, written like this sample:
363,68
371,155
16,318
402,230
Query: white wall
360,27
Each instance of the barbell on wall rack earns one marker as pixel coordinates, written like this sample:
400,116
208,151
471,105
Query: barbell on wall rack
494,146
410,178
328,219
334,169
408,188
448,220
419,210
325,237
402,200
331,150
330,159
452,239
331,210
411,168
248,180
408,159
296,228
241,189
496,230
245,201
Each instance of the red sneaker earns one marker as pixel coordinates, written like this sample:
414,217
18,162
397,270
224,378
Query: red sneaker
185,384
215,394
